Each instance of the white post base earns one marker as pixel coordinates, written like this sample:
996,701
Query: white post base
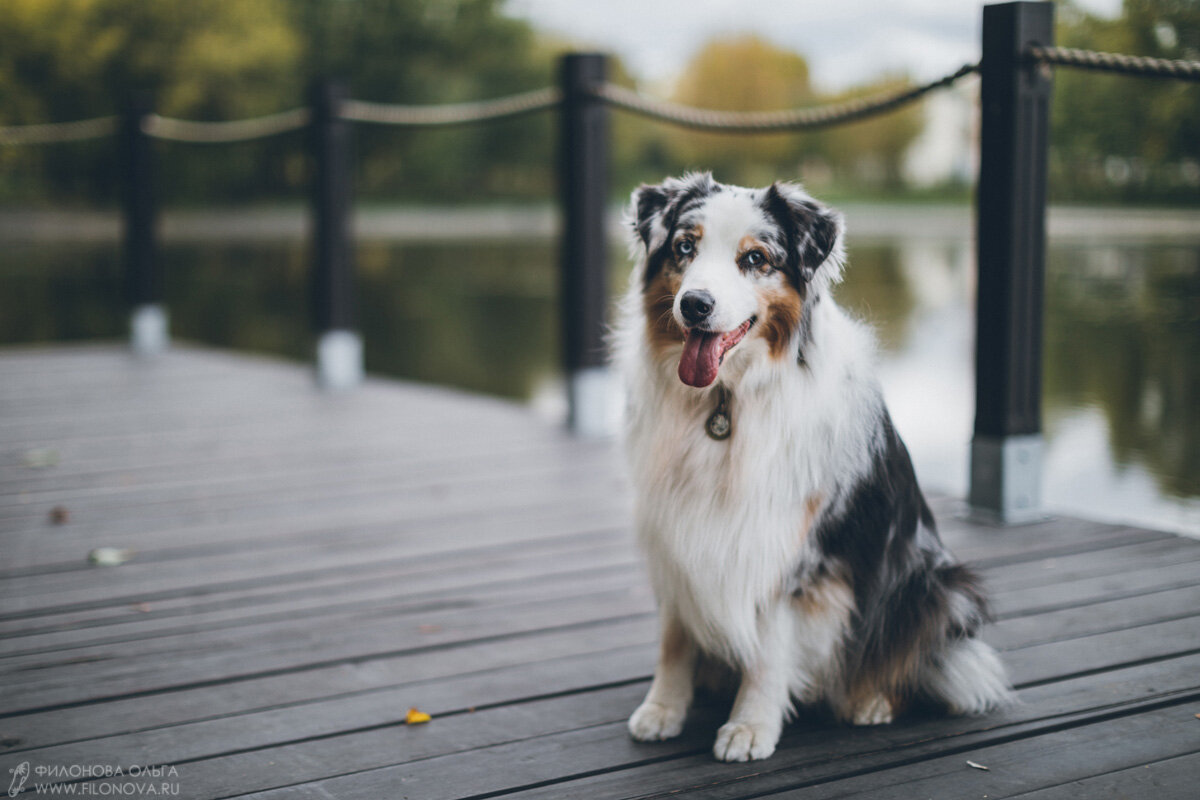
148,330
1006,479
339,360
589,402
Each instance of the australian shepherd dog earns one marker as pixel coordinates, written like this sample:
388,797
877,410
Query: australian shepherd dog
788,543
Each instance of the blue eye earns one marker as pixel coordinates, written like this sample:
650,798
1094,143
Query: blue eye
685,247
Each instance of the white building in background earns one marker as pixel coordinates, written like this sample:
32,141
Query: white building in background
947,149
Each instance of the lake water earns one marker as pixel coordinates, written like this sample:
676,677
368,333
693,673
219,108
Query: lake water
478,311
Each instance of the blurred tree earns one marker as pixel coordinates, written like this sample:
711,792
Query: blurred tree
741,74
436,51
1120,137
749,74
870,154
65,59
225,59
71,59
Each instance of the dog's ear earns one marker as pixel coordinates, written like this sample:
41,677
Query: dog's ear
654,208
648,203
813,230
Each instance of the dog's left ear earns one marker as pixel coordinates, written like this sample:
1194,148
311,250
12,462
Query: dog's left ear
813,229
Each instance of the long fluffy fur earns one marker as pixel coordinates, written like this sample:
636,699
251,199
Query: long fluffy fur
799,552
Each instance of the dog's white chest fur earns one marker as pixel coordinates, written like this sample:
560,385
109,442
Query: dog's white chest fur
721,523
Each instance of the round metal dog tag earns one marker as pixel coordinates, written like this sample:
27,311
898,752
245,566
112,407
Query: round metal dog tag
718,425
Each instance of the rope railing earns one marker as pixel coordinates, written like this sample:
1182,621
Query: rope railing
52,132
241,130
198,132
774,121
452,114
1117,62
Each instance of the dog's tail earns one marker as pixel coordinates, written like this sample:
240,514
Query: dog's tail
968,677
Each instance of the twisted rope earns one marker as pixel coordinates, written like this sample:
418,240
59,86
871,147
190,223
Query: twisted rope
59,131
1117,62
765,121
454,114
241,130
461,113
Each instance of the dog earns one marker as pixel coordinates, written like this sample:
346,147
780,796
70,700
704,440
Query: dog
786,538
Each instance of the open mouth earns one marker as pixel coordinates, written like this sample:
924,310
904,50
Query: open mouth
703,352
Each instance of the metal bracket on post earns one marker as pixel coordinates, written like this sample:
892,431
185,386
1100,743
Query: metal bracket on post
584,284
1006,450
339,347
148,325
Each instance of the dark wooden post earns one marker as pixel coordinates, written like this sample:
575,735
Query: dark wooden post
148,331
339,347
1006,449
584,283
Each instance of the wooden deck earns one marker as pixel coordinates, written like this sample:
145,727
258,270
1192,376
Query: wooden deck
307,567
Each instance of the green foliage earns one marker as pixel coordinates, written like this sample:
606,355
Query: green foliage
435,51
1125,138
72,59
1115,137
228,59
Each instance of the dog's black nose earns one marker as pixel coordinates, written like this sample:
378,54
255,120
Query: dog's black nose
696,306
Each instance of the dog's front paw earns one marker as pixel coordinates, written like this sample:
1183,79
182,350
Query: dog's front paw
655,721
745,741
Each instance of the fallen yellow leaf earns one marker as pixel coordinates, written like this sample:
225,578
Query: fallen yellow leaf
415,717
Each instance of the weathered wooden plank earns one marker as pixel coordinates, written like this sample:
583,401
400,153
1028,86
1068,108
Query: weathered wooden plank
329,586
1166,779
1097,617
537,483
1080,566
280,643
541,578
1055,595
518,562
349,520
510,518
365,693
1051,661
812,757
1025,765
294,545
565,761
407,581
227,493
421,573
316,427
115,657
632,664
57,681
297,455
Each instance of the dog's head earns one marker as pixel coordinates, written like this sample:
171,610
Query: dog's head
725,265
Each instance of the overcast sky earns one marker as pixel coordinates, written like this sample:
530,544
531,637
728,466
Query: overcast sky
846,42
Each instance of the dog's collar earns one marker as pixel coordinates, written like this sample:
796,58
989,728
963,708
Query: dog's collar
720,423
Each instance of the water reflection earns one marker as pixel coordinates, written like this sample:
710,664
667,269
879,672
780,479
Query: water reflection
1123,338
1122,333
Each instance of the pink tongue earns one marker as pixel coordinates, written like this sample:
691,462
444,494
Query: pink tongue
701,357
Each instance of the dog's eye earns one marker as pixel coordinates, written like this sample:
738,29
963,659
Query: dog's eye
685,247
754,260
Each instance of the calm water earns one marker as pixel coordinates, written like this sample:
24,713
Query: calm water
1122,380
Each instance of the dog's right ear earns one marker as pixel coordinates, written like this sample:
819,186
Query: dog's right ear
648,204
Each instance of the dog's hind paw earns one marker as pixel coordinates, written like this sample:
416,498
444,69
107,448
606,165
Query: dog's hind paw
654,721
745,741
876,711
